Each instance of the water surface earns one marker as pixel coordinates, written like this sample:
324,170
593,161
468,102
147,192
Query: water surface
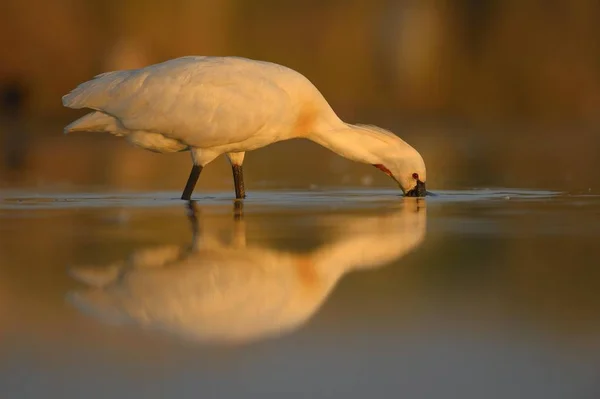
319,293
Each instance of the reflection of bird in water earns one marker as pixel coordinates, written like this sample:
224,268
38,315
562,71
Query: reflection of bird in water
238,293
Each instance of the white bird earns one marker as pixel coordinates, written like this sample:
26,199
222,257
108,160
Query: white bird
229,105
238,293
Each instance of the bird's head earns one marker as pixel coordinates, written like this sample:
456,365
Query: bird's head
384,150
405,165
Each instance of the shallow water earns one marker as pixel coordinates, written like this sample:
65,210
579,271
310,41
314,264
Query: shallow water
319,293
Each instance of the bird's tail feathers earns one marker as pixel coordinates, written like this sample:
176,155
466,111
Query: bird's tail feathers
94,122
93,93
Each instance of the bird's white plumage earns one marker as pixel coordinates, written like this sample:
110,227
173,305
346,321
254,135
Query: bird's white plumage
217,105
204,102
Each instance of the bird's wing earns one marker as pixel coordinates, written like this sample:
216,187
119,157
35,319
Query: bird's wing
199,100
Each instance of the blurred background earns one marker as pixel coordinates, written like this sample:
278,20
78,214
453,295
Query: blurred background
493,93
502,294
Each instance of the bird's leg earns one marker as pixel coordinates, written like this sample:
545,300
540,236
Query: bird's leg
236,159
238,179
191,183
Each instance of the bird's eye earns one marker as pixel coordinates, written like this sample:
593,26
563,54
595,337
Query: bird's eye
415,176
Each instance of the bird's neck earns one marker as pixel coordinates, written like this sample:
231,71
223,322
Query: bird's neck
353,142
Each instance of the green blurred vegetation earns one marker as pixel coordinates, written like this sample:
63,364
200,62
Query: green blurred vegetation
468,59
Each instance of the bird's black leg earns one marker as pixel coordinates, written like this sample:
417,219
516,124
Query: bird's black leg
238,179
191,183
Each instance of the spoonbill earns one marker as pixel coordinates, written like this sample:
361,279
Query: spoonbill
229,105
